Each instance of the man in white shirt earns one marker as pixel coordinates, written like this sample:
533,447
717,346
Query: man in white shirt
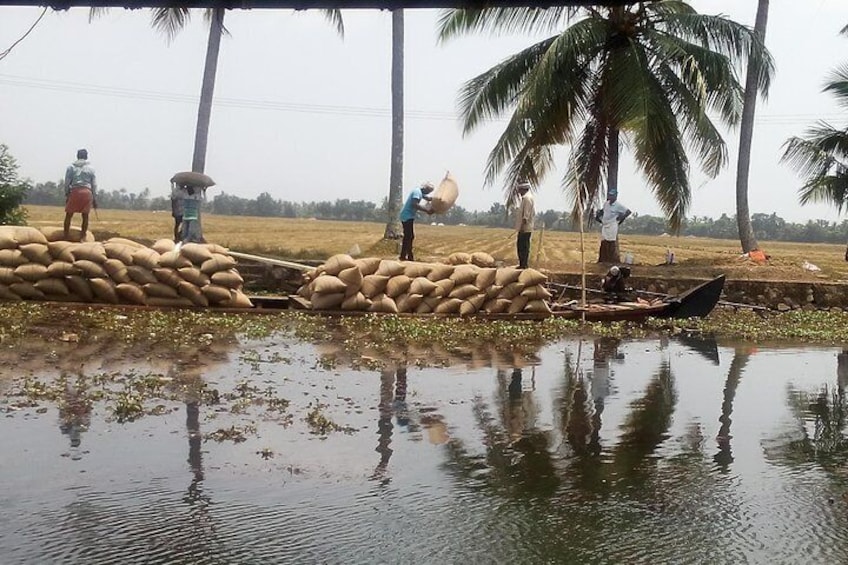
612,214
526,213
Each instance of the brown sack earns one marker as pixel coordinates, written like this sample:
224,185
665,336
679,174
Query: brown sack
31,272
443,288
512,290
397,285
537,306
61,251
169,277
52,287
215,294
27,234
7,240
413,269
472,305
459,258
194,276
215,248
530,277
445,195
90,269
383,303
368,265
422,285
27,291
58,234
338,263
94,252
440,272
8,276
146,258
328,284
6,294
238,299
160,290
174,260
485,278
37,253
119,251
141,275
12,258
160,302
352,278
125,241
80,287
196,253
162,246
496,306
465,274
517,304
188,290
230,279
482,259
464,291
217,263
390,268
356,302
408,302
116,270
493,291
536,292
61,269
321,301
373,285
104,290
131,293
449,306
507,275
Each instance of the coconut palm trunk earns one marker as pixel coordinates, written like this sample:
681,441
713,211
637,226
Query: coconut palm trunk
396,171
746,134
207,90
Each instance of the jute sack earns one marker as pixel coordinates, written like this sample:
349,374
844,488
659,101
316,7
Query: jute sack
215,248
162,246
52,287
125,241
7,239
472,305
459,258
408,302
61,251
160,290
27,291
218,262
511,290
306,290
485,278
414,270
116,270
424,308
464,291
448,306
119,251
537,306
27,234
230,279
536,292
321,301
493,291
238,299
356,302
464,274
482,259
328,284
6,294
188,290
141,275
174,260
37,253
31,272
178,302
215,294
194,276
169,277
496,306
397,285
196,253
507,275
94,252
8,276
422,286
338,263
445,195
192,178
12,258
443,288
529,277
90,269
440,272
131,293
61,269
145,257
368,265
58,234
390,268
373,285
104,290
352,278
383,303
517,304
80,287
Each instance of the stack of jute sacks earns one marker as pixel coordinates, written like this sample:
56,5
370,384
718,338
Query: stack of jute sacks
466,285
37,264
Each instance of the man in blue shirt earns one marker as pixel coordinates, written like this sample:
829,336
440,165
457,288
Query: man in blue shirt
407,217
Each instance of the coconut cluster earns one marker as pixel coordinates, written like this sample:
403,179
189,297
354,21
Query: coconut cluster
38,264
389,286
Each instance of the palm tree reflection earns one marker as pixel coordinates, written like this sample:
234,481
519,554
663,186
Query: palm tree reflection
724,456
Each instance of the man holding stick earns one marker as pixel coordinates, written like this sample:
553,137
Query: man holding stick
525,214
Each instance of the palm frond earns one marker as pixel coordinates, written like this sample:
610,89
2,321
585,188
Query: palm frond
837,84
821,158
170,21
334,16
94,13
455,22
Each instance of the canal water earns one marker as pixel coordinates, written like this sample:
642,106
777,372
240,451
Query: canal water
588,451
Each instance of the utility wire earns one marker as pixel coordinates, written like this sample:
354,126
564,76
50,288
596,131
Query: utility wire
32,27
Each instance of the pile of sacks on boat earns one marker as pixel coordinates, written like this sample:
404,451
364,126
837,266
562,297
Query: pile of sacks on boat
37,264
465,285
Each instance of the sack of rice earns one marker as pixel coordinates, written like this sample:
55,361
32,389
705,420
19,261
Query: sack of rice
464,274
368,265
517,304
37,253
327,284
373,285
422,286
141,275
174,260
61,251
397,285
217,263
12,258
230,279
536,292
215,294
511,290
356,302
193,178
407,302
459,258
445,195
464,291
352,278
472,305
27,291
52,287
131,293
482,259
338,263
507,275
178,302
448,306
440,272
215,248
383,303
104,290
169,277
58,234
116,270
90,269
529,277
119,251
125,241
59,269
196,253
424,308
8,276
321,301
414,269
390,268
80,287
238,299
485,278
7,294
146,258
27,234
496,306
537,306
160,289
194,276
188,290
31,272
7,239
306,290
493,291
162,246
443,288
94,252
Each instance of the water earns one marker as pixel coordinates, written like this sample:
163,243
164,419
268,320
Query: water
592,451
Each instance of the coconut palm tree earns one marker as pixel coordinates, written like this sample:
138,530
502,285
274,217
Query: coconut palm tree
396,172
821,155
648,74
746,134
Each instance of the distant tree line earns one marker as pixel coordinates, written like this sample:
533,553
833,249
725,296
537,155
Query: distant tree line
766,226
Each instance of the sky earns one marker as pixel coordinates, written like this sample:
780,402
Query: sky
304,115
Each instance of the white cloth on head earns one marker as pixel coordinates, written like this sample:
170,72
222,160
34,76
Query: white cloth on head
609,219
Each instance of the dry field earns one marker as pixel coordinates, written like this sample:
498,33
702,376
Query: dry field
555,251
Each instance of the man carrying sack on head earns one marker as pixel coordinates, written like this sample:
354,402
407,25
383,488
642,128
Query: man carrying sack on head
80,192
525,214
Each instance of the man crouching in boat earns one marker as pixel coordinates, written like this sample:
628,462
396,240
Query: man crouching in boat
614,285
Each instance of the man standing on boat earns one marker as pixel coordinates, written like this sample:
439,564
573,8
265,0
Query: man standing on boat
407,217
525,214
610,216
80,189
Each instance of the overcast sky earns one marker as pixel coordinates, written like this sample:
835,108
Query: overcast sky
304,115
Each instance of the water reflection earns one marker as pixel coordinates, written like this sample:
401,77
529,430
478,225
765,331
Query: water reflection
74,412
724,456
